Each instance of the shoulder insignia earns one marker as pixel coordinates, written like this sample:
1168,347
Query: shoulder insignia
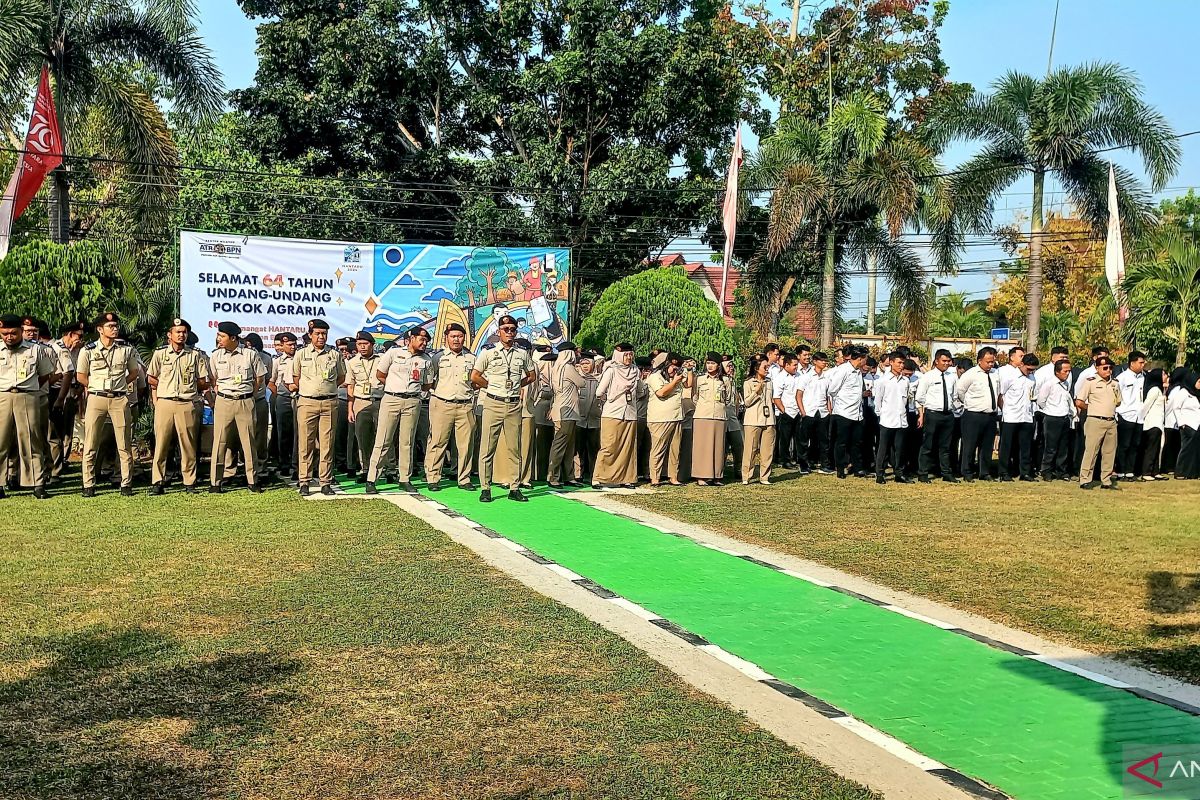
491,346
90,346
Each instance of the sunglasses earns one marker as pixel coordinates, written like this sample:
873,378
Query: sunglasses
511,328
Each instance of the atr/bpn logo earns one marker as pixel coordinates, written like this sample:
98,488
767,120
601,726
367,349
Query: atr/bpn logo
1136,770
1162,771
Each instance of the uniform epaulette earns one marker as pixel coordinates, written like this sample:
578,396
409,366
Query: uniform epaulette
491,346
90,346
165,346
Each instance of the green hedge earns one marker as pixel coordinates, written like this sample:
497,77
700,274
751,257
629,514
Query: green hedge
658,308
57,283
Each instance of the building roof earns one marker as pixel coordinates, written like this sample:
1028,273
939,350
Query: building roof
707,276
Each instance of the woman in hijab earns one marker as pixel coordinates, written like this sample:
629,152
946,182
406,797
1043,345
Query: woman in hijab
565,382
759,423
664,415
587,430
1183,402
734,438
616,463
711,392
1153,419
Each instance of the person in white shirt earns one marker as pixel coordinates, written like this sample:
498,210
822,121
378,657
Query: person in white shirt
1056,402
772,353
1131,382
1013,366
891,405
976,391
1041,376
935,417
870,420
846,389
1183,402
787,411
1153,420
1017,398
813,397
804,355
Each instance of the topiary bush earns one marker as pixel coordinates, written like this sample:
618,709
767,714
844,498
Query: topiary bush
658,308
55,282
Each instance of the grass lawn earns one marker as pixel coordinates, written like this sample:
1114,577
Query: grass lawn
242,646
1117,573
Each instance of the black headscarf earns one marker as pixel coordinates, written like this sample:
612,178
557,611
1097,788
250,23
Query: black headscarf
1153,378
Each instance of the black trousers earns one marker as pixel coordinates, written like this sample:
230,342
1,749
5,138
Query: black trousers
939,430
956,447
911,455
813,443
1056,447
284,432
847,441
1170,450
978,433
787,432
1016,444
1129,439
891,446
869,436
1151,449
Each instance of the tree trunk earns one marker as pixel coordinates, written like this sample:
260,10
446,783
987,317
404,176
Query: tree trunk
60,207
872,279
1033,312
1182,343
828,292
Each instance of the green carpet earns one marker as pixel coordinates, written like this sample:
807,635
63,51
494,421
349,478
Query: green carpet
1024,727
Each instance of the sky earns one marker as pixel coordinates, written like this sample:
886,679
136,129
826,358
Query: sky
981,40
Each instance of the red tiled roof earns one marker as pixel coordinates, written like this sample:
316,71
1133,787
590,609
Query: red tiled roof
711,275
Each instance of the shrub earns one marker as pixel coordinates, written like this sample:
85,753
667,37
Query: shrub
58,283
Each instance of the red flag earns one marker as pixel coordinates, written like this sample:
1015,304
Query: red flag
43,154
729,209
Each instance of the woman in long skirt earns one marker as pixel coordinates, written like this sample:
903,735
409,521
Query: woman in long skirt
616,463
711,392
759,423
1153,416
565,382
1186,405
664,416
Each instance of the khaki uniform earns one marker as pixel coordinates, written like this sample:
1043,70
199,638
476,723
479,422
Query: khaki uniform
179,373
406,373
235,374
564,413
21,376
364,384
450,412
108,386
62,420
262,418
285,411
759,429
528,446
504,369
43,409
317,375
1102,397
664,419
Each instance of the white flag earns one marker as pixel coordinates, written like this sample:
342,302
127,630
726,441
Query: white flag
729,209
1114,250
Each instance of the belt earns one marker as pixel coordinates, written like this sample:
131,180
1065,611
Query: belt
405,395
456,402
18,390
109,395
937,411
180,399
1106,419
318,396
235,396
504,399
368,399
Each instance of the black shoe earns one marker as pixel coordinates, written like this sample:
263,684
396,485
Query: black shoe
1109,486
467,487
968,479
40,493
127,491
156,489
436,486
370,488
255,488
485,496
881,480
327,490
304,490
361,478
192,489
951,479
89,491
1029,479
1088,485
515,494
904,479
841,475
863,474
925,479
408,487
216,490
1006,478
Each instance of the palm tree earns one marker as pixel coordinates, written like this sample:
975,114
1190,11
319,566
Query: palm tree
1163,286
1056,127
959,324
108,59
844,191
1059,328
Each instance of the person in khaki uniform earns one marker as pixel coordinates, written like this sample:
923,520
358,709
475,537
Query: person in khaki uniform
405,371
177,375
616,461
566,383
31,330
734,438
543,426
758,448
711,392
24,369
1098,396
451,397
106,370
364,391
262,410
63,398
236,372
528,449
278,381
317,372
664,415
502,370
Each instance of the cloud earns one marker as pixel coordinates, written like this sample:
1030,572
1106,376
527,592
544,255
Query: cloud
455,268
408,280
436,295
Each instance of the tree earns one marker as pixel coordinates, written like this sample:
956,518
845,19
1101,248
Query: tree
1059,328
1163,287
58,283
956,317
110,62
849,188
657,308
1055,127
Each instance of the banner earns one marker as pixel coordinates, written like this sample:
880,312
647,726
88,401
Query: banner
42,155
270,285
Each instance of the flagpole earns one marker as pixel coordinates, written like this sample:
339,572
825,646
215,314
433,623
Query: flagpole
729,210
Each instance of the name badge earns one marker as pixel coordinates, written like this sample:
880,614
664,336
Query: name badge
416,375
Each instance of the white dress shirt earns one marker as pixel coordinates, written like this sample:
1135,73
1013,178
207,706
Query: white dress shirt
1087,372
1186,408
1131,386
891,401
816,393
846,390
1019,397
1055,399
785,392
929,390
1153,407
976,391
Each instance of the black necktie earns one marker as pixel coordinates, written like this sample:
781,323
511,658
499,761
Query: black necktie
945,397
991,391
